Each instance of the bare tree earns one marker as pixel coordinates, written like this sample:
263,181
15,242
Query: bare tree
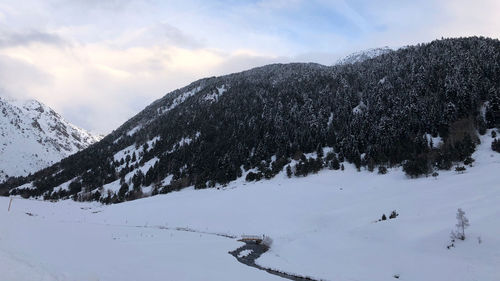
462,224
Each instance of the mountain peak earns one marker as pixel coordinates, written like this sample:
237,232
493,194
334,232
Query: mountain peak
361,56
34,136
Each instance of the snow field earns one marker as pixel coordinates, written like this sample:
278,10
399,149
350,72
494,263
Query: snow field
324,226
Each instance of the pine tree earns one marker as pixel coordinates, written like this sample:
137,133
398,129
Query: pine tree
75,187
288,171
495,145
319,151
123,191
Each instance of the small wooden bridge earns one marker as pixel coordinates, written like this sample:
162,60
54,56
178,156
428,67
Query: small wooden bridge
257,239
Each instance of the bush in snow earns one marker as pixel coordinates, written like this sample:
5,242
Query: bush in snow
253,176
469,160
382,170
393,215
332,161
420,165
460,169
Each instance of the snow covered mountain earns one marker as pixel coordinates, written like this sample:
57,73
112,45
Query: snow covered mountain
33,136
421,107
364,55
354,172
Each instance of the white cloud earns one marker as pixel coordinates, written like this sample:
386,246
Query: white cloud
466,18
9,38
110,84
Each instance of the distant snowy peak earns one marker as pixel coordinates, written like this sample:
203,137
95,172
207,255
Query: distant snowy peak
364,55
33,136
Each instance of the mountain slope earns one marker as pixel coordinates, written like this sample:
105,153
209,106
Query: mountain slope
421,106
33,136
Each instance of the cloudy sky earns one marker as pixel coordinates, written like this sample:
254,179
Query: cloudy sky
99,62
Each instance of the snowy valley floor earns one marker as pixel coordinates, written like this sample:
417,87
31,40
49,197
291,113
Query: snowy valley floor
323,226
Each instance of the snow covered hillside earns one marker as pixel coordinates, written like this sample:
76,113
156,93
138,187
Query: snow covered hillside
364,55
383,111
33,136
325,226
